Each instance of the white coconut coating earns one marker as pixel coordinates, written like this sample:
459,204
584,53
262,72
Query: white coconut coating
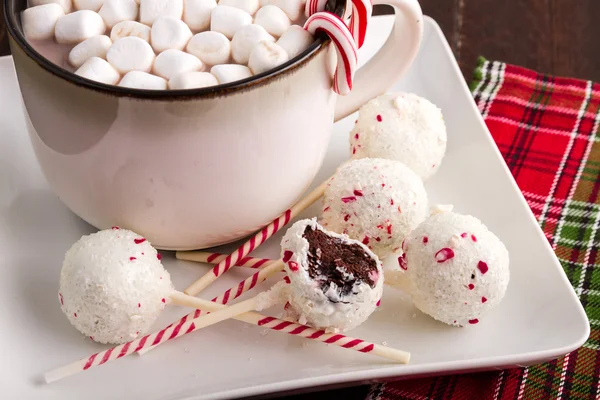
375,201
457,269
113,285
319,302
402,127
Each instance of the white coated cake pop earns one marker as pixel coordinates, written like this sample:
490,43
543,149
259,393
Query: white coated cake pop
375,201
402,127
457,270
335,282
113,285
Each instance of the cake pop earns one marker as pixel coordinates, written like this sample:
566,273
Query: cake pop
402,127
375,201
456,270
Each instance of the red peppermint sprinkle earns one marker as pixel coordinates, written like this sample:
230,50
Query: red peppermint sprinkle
293,266
380,226
402,245
287,279
473,238
326,209
389,229
348,199
444,254
287,306
391,202
91,337
365,240
356,136
379,119
471,286
425,239
483,299
402,262
62,303
139,305
346,217
378,239
473,321
463,235
482,267
115,228
383,185
287,255
132,258
139,241
353,150
157,256
163,300
399,210
358,192
75,314
378,303
345,231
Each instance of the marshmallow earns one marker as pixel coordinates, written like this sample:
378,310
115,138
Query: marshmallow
67,5
211,48
130,28
150,10
78,26
226,73
227,20
250,6
295,40
293,8
266,56
96,46
244,41
130,54
273,19
196,14
192,80
115,11
39,21
99,70
93,5
143,80
173,62
169,33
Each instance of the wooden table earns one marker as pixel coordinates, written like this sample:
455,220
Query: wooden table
552,36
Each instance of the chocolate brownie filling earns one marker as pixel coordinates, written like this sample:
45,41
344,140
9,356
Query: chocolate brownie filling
330,259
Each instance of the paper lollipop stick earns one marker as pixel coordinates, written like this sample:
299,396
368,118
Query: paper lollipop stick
215,258
255,241
174,331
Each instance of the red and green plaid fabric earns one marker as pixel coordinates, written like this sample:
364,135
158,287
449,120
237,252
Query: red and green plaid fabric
547,130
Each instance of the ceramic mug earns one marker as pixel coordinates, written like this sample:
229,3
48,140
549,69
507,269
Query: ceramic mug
195,168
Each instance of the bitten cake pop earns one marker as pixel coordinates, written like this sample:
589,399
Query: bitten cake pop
402,127
113,285
375,201
456,269
335,282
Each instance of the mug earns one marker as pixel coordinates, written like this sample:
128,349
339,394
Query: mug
191,169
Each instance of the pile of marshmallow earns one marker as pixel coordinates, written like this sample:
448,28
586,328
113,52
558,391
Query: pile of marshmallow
170,44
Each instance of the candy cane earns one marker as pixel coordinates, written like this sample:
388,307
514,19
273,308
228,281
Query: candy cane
345,46
359,19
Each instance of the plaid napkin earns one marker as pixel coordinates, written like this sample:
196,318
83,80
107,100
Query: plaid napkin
547,130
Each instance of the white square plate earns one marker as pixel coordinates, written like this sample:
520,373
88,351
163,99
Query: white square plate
540,318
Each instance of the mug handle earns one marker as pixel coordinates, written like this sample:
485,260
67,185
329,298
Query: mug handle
391,61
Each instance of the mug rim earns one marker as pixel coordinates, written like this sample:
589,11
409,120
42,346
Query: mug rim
15,31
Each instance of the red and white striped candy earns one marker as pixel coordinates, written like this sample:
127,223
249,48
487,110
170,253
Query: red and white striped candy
347,52
241,288
359,19
246,262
